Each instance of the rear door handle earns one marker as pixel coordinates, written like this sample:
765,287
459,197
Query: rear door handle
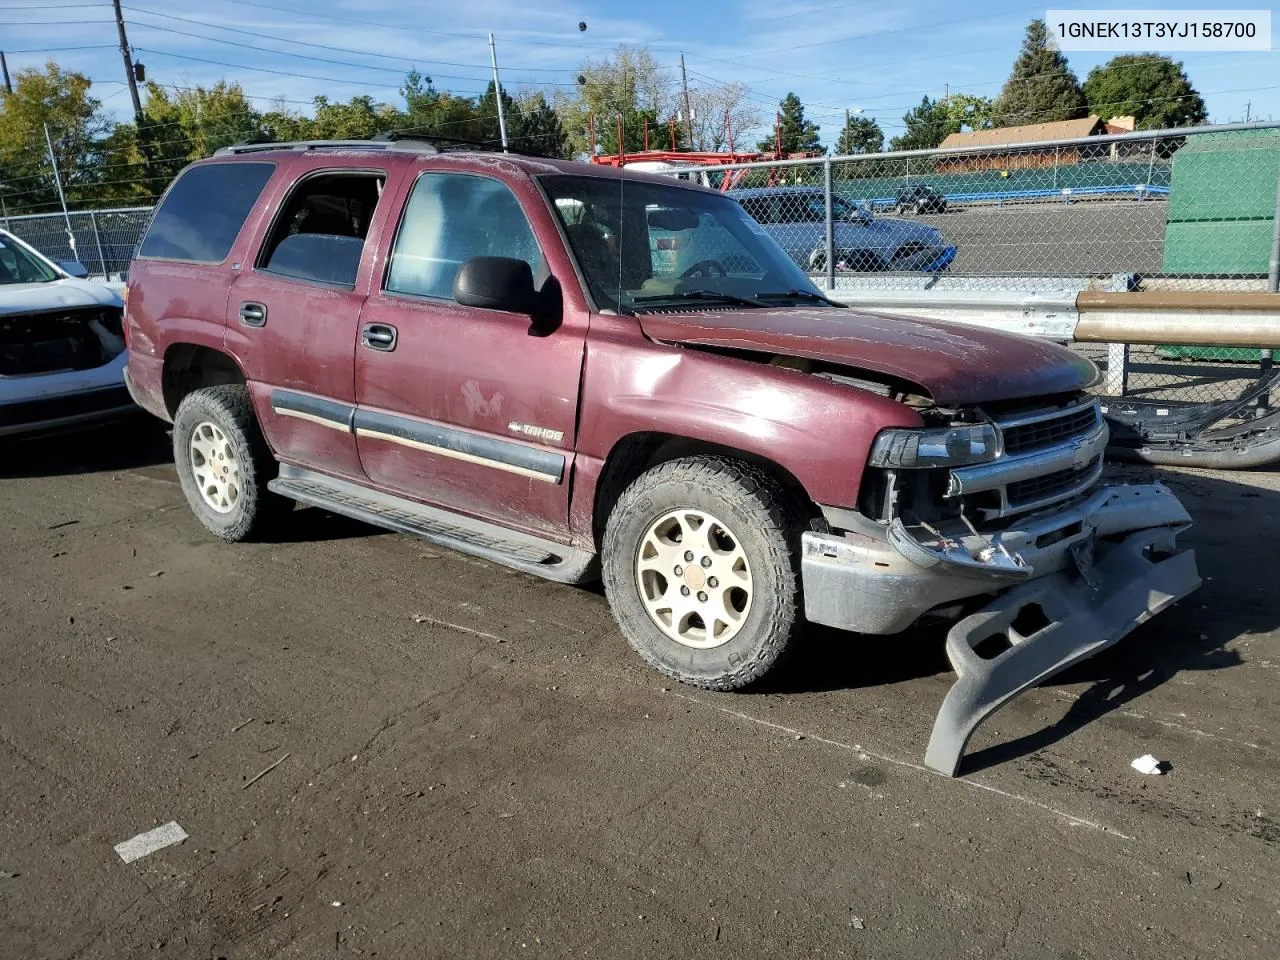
378,336
253,314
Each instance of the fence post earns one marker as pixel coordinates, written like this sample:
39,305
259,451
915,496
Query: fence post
1273,274
831,229
1116,382
97,239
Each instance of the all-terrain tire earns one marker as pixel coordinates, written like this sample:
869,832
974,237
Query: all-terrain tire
254,508
764,520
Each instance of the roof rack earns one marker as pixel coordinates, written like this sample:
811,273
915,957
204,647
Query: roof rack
399,145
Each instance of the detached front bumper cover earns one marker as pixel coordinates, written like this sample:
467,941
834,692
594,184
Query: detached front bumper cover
1041,627
1066,582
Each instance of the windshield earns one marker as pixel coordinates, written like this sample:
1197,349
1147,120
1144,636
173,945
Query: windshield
639,244
19,266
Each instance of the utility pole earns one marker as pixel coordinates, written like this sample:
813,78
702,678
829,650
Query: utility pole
1248,107
497,93
128,63
57,182
688,110
4,65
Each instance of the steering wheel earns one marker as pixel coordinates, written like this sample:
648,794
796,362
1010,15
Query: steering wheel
705,268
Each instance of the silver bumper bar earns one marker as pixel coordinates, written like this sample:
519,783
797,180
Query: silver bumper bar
1091,589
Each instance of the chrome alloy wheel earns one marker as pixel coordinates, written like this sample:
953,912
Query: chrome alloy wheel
214,466
694,579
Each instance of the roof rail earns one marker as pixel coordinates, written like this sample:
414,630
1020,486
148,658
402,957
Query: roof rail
400,146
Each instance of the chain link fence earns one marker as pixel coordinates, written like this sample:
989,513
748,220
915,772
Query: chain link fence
1180,212
104,240
1185,211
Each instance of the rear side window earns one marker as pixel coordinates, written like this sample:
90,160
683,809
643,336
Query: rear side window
203,212
320,232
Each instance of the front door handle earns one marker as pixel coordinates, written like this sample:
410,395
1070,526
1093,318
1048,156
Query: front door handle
378,336
253,314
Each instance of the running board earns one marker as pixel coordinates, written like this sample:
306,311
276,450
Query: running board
543,558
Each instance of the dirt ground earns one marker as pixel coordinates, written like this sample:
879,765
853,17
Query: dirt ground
474,765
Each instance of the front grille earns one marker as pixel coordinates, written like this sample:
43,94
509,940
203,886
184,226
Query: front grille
1027,437
1050,485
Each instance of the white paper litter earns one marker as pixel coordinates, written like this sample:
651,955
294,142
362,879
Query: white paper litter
145,844
1149,765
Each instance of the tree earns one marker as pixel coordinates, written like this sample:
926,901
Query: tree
710,105
926,126
931,122
179,126
630,86
357,119
795,134
540,129
966,111
1151,88
432,112
1042,87
77,128
860,135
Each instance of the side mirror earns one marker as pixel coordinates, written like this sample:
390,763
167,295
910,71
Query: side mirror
496,283
73,268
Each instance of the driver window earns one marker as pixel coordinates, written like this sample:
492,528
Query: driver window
449,219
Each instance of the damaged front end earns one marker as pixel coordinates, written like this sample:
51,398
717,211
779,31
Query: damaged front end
60,367
1042,567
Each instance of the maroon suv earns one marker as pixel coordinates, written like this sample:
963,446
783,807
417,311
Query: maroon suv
580,372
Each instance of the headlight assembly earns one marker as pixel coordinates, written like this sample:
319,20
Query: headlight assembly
943,447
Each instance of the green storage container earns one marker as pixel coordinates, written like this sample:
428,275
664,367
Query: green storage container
1218,247
1222,200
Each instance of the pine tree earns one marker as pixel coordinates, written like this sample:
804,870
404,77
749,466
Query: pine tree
798,135
1042,87
927,125
860,135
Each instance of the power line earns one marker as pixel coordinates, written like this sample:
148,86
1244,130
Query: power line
365,21
325,46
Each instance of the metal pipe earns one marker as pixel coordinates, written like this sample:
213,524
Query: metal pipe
97,239
831,228
497,93
57,181
1273,274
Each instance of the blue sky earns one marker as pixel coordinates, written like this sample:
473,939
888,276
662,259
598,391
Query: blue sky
867,54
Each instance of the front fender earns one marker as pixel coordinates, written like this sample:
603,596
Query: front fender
817,430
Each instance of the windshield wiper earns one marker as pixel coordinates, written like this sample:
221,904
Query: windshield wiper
701,295
801,295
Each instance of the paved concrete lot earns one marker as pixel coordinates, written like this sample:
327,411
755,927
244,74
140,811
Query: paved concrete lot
1055,239
475,765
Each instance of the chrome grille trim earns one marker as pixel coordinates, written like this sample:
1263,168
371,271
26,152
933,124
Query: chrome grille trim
1076,453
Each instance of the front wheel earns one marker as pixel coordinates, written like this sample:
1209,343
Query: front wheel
224,464
701,570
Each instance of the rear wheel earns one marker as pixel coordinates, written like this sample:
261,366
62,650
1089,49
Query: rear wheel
701,570
224,464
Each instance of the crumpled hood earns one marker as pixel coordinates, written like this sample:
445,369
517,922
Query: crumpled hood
18,298
954,364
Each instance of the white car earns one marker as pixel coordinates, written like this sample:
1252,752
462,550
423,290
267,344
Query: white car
62,351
